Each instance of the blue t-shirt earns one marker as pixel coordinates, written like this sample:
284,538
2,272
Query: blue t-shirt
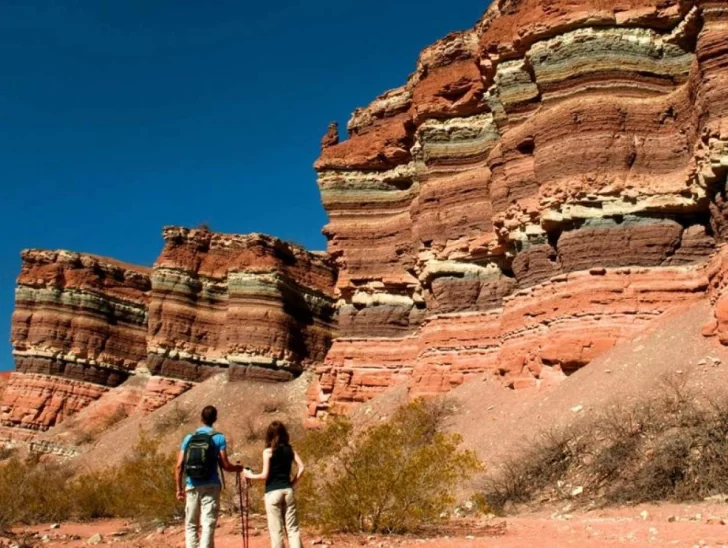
218,440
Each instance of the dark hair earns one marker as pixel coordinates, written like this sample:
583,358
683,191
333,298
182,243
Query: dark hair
209,415
276,435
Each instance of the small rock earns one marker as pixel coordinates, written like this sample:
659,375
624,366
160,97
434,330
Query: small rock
653,531
577,408
644,515
703,362
577,491
161,529
45,538
470,537
698,517
672,519
55,525
95,539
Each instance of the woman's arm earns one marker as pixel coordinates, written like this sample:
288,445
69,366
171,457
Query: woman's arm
267,453
299,467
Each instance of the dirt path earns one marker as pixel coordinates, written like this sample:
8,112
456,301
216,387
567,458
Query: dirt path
649,525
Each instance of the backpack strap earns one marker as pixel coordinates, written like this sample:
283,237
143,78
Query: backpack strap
219,464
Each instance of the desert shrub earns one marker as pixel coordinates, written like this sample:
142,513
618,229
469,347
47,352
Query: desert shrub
171,419
393,477
32,491
118,415
141,487
672,447
144,483
7,452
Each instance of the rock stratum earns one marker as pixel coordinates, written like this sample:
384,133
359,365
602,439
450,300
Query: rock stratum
543,187
252,305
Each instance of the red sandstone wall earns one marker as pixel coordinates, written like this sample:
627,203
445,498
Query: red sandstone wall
252,305
543,186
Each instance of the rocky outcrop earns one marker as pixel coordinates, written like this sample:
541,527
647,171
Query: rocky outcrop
79,327
252,305
542,187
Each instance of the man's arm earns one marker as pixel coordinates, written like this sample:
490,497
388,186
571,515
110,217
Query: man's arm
227,465
178,476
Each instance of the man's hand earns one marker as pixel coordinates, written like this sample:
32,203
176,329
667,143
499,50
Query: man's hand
180,494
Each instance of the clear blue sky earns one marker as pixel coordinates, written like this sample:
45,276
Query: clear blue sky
120,117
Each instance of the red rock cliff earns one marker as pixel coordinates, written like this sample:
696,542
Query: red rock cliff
542,187
82,325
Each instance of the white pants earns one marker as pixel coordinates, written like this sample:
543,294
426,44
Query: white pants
201,508
280,507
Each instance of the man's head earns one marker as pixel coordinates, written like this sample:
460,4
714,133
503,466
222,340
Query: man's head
209,415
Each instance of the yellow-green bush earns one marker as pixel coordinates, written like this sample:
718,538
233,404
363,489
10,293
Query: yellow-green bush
141,487
393,477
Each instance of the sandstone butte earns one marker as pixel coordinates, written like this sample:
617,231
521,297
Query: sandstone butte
544,186
258,307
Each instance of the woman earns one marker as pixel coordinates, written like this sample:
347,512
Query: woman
280,502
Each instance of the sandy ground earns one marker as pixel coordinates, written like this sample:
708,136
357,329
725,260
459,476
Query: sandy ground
701,525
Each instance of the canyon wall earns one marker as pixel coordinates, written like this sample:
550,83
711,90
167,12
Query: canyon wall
542,187
252,305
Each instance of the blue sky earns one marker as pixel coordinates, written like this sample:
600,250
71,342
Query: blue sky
120,117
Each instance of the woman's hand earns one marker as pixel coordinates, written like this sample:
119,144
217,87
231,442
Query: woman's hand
180,494
248,474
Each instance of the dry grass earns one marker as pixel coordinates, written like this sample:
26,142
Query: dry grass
673,447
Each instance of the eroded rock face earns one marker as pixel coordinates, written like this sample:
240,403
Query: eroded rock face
252,305
543,186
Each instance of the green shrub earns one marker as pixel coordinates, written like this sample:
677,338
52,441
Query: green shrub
393,477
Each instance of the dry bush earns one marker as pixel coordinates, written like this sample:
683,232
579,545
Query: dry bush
171,419
277,405
118,415
31,491
141,487
673,447
253,432
393,477
7,452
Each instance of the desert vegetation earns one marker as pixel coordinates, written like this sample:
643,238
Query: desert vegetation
141,487
393,477
670,447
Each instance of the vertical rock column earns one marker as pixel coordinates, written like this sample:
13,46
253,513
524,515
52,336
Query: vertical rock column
79,328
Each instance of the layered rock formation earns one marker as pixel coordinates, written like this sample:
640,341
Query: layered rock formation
543,186
83,324
79,327
252,303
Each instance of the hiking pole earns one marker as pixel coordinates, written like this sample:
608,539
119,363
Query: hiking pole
243,509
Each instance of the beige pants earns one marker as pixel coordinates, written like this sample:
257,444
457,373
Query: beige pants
280,507
201,509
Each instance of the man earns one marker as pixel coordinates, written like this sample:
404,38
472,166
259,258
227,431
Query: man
203,490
